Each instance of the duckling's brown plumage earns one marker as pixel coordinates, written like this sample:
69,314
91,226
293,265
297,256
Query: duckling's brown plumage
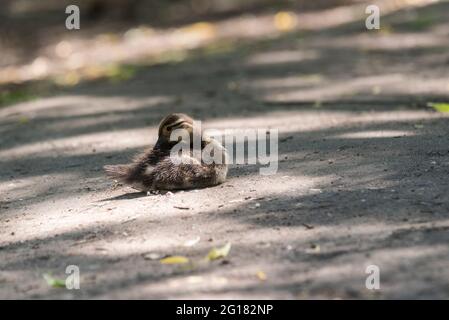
156,170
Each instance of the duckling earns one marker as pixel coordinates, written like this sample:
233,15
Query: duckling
155,169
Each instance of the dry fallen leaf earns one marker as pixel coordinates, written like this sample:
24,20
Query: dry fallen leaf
218,253
174,260
262,276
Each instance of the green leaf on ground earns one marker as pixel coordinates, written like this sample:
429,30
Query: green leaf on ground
54,282
218,253
439,106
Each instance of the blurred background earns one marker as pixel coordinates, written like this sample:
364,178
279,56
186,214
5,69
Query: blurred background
118,35
33,33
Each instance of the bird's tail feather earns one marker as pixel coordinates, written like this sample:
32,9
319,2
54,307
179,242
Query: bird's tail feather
121,172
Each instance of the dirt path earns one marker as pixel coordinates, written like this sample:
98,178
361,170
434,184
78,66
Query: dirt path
362,179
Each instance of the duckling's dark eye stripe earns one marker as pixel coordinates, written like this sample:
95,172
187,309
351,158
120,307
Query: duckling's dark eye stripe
176,124
173,125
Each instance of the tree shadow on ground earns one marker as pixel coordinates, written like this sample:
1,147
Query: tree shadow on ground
375,180
340,272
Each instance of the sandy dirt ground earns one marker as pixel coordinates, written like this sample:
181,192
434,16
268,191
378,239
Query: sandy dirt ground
362,174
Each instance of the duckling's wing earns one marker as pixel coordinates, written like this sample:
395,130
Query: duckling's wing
119,172
135,172
182,173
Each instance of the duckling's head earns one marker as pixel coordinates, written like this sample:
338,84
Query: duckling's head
173,122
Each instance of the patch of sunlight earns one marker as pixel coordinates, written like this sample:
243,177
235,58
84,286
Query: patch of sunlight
67,106
287,82
41,104
83,144
285,121
284,56
165,242
335,89
285,21
17,185
386,84
120,248
135,34
291,122
23,189
199,31
406,254
88,211
375,134
192,283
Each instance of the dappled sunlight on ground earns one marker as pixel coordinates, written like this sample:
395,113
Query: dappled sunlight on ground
281,57
376,134
362,167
